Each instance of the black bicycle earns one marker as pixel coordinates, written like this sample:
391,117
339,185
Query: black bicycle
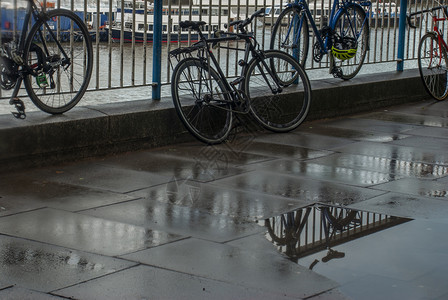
54,59
272,86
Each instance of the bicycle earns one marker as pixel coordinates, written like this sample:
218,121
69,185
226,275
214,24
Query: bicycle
432,55
54,59
345,38
272,86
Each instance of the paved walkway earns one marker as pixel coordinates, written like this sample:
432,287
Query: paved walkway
186,221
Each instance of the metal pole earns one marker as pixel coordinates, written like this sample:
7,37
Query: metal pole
401,35
157,51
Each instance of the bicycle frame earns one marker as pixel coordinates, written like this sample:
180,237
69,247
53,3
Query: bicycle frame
440,41
249,50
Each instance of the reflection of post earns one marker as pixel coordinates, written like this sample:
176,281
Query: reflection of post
157,51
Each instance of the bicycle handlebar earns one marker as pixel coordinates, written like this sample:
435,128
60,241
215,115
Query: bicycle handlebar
243,23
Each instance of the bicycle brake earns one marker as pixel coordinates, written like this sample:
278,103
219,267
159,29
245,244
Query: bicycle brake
20,106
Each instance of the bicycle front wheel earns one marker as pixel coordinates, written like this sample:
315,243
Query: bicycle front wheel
290,34
201,101
351,25
279,91
432,64
60,55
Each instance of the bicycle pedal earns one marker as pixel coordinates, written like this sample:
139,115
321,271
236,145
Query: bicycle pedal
20,106
337,72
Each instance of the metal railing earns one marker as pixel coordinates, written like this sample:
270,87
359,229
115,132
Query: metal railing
123,50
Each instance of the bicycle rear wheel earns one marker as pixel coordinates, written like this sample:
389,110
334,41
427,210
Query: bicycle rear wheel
351,24
290,34
279,91
432,64
201,101
59,52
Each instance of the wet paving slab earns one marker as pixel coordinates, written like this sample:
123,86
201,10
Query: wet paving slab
411,186
354,134
312,141
329,172
430,143
430,132
201,211
38,192
141,281
236,266
275,150
298,187
25,294
92,175
403,118
401,168
370,125
82,232
407,206
396,152
44,268
207,164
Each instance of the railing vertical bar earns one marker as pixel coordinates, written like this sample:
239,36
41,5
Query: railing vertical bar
401,37
157,50
134,9
97,40
145,41
109,42
122,43
169,34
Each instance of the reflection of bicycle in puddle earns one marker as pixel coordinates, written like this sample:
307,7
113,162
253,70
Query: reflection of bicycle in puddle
320,227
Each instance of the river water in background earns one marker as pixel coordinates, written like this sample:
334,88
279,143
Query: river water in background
130,77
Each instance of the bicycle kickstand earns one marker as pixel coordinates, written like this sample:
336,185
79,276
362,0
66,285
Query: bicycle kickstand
20,106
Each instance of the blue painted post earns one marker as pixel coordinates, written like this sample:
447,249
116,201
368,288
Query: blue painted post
157,51
401,35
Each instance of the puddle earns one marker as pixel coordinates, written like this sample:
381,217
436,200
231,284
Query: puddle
321,228
370,255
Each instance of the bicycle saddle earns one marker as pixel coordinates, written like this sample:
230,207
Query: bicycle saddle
192,24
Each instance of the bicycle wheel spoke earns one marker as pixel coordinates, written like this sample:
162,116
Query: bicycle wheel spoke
432,61
196,92
279,91
61,65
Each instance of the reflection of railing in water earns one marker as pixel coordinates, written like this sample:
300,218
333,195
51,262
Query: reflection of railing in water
318,227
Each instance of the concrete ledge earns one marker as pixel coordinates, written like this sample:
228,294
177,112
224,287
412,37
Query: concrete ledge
98,130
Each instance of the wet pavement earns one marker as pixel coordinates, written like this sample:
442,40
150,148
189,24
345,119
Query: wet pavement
189,221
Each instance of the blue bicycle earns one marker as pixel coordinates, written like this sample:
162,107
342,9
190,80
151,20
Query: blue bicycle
345,37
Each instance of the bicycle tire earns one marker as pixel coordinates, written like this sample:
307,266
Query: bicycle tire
201,101
285,109
283,36
432,65
356,16
66,82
